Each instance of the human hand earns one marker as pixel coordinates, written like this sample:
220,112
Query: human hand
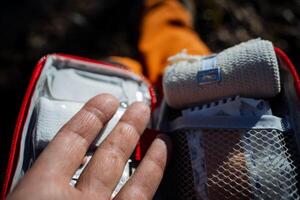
51,173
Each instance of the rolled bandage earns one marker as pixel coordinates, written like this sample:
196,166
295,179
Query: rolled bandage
249,69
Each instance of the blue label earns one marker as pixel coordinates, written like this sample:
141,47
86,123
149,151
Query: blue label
209,72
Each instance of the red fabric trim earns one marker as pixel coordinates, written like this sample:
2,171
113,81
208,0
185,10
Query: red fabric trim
145,142
291,67
19,128
153,98
138,152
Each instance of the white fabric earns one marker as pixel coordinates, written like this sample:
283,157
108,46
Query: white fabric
52,115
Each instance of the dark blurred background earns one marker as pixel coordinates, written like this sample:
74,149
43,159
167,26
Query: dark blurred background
99,28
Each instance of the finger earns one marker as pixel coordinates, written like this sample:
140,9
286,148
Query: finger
106,167
65,153
146,179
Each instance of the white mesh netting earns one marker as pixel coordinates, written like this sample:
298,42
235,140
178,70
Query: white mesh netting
233,164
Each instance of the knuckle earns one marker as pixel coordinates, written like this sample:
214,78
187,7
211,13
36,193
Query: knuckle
128,130
114,152
157,161
95,112
72,137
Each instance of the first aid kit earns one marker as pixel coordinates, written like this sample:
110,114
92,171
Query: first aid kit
233,117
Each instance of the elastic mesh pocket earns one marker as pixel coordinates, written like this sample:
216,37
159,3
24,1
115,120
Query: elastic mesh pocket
235,164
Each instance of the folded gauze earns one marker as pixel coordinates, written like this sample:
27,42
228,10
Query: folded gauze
249,69
52,115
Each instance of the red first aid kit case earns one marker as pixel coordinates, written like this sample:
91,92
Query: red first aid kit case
211,159
60,84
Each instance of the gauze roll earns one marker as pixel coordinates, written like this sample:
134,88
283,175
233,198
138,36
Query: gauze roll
249,69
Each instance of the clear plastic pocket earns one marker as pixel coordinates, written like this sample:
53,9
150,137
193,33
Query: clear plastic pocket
61,90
